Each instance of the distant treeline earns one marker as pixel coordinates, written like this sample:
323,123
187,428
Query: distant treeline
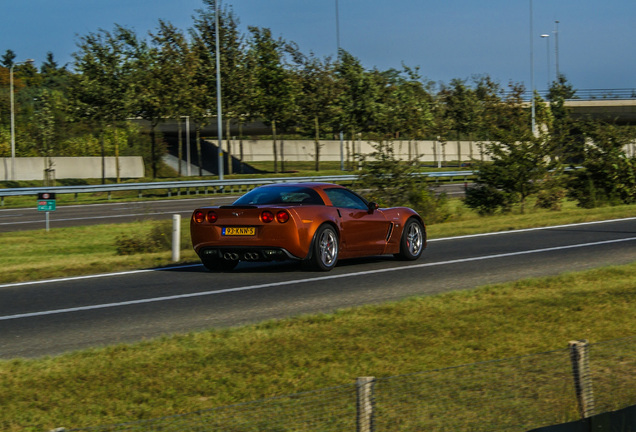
82,109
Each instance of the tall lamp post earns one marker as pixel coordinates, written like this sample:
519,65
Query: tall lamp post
533,115
338,60
546,37
556,48
219,110
28,61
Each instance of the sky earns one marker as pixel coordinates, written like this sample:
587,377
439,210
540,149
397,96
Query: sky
446,39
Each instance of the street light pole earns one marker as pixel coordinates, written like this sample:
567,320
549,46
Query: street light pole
12,123
338,60
546,37
337,31
11,97
556,48
219,123
532,71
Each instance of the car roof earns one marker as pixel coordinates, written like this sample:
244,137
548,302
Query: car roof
311,185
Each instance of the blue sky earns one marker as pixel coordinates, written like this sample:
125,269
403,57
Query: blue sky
446,38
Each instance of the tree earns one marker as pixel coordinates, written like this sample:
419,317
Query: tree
566,134
273,81
357,98
394,182
489,95
148,90
608,174
44,120
8,58
235,75
177,63
461,110
26,87
519,161
102,89
515,173
403,108
560,91
319,92
54,77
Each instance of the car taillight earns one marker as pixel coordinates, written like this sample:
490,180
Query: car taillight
282,216
267,216
198,216
212,217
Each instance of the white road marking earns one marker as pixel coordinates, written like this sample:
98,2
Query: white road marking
132,204
100,217
283,283
531,229
124,203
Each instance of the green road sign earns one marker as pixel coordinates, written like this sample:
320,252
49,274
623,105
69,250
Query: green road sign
46,201
46,205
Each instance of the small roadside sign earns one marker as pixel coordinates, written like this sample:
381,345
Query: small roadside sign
46,202
48,205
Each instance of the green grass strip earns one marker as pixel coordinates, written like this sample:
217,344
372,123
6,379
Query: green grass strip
196,371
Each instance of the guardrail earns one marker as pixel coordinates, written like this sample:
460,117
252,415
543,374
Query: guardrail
197,185
593,94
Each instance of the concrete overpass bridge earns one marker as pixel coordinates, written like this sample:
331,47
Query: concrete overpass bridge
611,105
620,111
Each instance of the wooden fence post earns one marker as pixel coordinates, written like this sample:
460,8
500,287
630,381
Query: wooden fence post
580,357
364,386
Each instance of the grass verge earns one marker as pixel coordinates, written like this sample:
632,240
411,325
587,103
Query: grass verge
464,221
63,252
201,370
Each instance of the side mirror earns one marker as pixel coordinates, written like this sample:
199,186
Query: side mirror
373,206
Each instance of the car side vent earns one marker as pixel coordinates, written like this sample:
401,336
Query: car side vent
388,234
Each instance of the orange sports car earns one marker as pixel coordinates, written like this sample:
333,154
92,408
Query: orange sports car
315,223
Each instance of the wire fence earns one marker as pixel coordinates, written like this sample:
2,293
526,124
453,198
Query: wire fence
515,394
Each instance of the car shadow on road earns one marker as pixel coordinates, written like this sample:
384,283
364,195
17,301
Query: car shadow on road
281,266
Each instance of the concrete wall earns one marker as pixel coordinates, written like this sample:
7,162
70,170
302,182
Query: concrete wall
72,167
428,151
303,150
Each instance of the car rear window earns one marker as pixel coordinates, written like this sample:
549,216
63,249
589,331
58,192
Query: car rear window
280,195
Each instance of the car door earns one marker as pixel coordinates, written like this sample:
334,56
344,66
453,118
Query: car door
363,231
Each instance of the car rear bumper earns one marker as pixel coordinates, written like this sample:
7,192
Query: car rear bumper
247,253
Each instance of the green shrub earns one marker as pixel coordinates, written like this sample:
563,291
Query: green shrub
158,239
134,244
392,182
487,199
551,198
552,192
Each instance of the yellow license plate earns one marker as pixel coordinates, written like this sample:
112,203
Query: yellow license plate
239,231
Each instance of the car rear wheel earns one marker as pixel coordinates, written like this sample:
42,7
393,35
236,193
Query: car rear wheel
219,264
325,248
413,240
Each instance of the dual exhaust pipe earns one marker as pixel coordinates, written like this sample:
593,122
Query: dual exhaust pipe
248,256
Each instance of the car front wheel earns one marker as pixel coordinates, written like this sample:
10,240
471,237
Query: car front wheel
413,241
325,248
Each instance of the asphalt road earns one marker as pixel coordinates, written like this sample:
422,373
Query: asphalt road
52,317
23,219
